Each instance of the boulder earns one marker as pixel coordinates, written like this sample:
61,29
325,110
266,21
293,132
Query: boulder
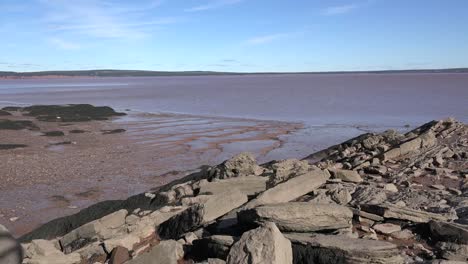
166,252
265,244
200,214
368,195
300,216
449,232
324,249
291,189
241,165
41,247
286,169
390,187
346,175
401,213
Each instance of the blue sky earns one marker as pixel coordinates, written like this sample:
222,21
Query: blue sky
233,35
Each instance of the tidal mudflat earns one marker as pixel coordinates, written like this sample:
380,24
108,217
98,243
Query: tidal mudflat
175,124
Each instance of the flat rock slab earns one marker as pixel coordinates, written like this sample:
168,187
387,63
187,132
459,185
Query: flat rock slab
291,189
200,214
346,175
323,249
265,244
249,185
166,252
300,216
386,228
395,212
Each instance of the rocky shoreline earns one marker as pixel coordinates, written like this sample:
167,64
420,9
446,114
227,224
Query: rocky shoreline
377,198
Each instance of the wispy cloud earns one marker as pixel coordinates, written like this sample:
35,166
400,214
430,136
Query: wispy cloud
339,10
213,5
267,38
103,19
63,44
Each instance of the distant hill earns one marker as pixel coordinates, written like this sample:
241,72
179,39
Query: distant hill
136,73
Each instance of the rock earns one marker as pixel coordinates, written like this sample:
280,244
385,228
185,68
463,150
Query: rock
368,195
395,212
390,187
217,246
377,169
240,165
449,232
323,249
299,216
72,258
346,175
403,234
127,241
265,244
442,261
291,189
41,247
104,228
94,251
197,215
166,252
438,187
341,196
119,255
11,251
286,169
246,185
453,251
386,228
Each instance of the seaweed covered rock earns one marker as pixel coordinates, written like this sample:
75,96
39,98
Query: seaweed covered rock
17,125
70,113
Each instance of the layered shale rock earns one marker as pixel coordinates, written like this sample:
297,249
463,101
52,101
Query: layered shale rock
377,198
300,216
323,249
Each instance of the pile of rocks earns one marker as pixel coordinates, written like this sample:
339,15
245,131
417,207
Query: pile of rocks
378,198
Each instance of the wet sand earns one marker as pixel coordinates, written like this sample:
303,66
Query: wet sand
48,179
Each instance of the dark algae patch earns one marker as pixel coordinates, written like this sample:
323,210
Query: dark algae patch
11,146
17,124
53,134
70,113
77,131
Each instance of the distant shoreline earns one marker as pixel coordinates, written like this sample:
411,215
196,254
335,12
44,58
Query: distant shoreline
136,73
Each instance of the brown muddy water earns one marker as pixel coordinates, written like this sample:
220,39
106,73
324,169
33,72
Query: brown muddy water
176,124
